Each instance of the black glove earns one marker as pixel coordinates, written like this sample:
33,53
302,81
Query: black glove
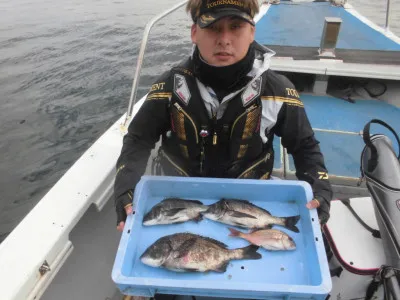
323,209
121,203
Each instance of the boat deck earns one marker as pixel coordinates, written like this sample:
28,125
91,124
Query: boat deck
348,56
295,29
338,124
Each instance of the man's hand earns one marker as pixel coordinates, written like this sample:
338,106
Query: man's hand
323,209
314,203
123,207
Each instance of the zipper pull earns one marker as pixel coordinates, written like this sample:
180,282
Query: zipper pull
215,138
178,107
203,134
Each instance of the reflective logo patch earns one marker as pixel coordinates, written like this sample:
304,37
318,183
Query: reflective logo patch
292,92
181,89
323,176
207,18
157,86
252,92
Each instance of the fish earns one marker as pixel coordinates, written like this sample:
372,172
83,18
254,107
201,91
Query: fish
270,239
243,213
188,252
174,210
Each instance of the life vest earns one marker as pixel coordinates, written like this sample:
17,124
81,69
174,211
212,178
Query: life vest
229,147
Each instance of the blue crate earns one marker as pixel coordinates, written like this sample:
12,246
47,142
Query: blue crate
302,273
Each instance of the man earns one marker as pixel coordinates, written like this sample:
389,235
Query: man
219,110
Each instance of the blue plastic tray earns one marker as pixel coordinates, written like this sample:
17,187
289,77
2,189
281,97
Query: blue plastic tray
302,273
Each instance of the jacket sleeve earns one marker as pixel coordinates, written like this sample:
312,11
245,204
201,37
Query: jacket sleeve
144,131
298,138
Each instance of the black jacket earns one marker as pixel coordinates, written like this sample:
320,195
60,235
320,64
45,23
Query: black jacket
204,136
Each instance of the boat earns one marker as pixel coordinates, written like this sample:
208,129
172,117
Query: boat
347,70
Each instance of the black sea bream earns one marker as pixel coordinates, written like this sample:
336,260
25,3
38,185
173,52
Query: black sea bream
187,252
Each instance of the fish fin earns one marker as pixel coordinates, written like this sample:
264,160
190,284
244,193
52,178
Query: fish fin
250,252
195,201
234,232
174,221
165,202
260,208
241,225
248,203
234,199
222,267
171,199
173,211
290,223
256,206
221,244
264,210
241,201
190,270
238,214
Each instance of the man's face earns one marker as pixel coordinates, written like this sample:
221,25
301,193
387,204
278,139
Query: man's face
224,42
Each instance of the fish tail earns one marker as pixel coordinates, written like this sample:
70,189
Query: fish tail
290,223
198,218
204,208
249,252
235,232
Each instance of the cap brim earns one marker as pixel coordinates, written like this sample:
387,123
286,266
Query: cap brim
209,18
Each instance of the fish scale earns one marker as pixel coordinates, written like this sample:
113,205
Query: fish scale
187,252
245,214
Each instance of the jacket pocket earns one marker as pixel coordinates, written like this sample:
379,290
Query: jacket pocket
171,166
243,132
179,118
259,169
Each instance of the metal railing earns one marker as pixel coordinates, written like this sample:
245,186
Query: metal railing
388,14
146,34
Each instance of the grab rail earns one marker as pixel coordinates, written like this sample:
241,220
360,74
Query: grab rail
146,34
387,14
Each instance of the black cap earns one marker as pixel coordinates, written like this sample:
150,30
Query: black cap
213,10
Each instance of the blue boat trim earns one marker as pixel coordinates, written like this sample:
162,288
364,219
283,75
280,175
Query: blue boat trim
301,25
